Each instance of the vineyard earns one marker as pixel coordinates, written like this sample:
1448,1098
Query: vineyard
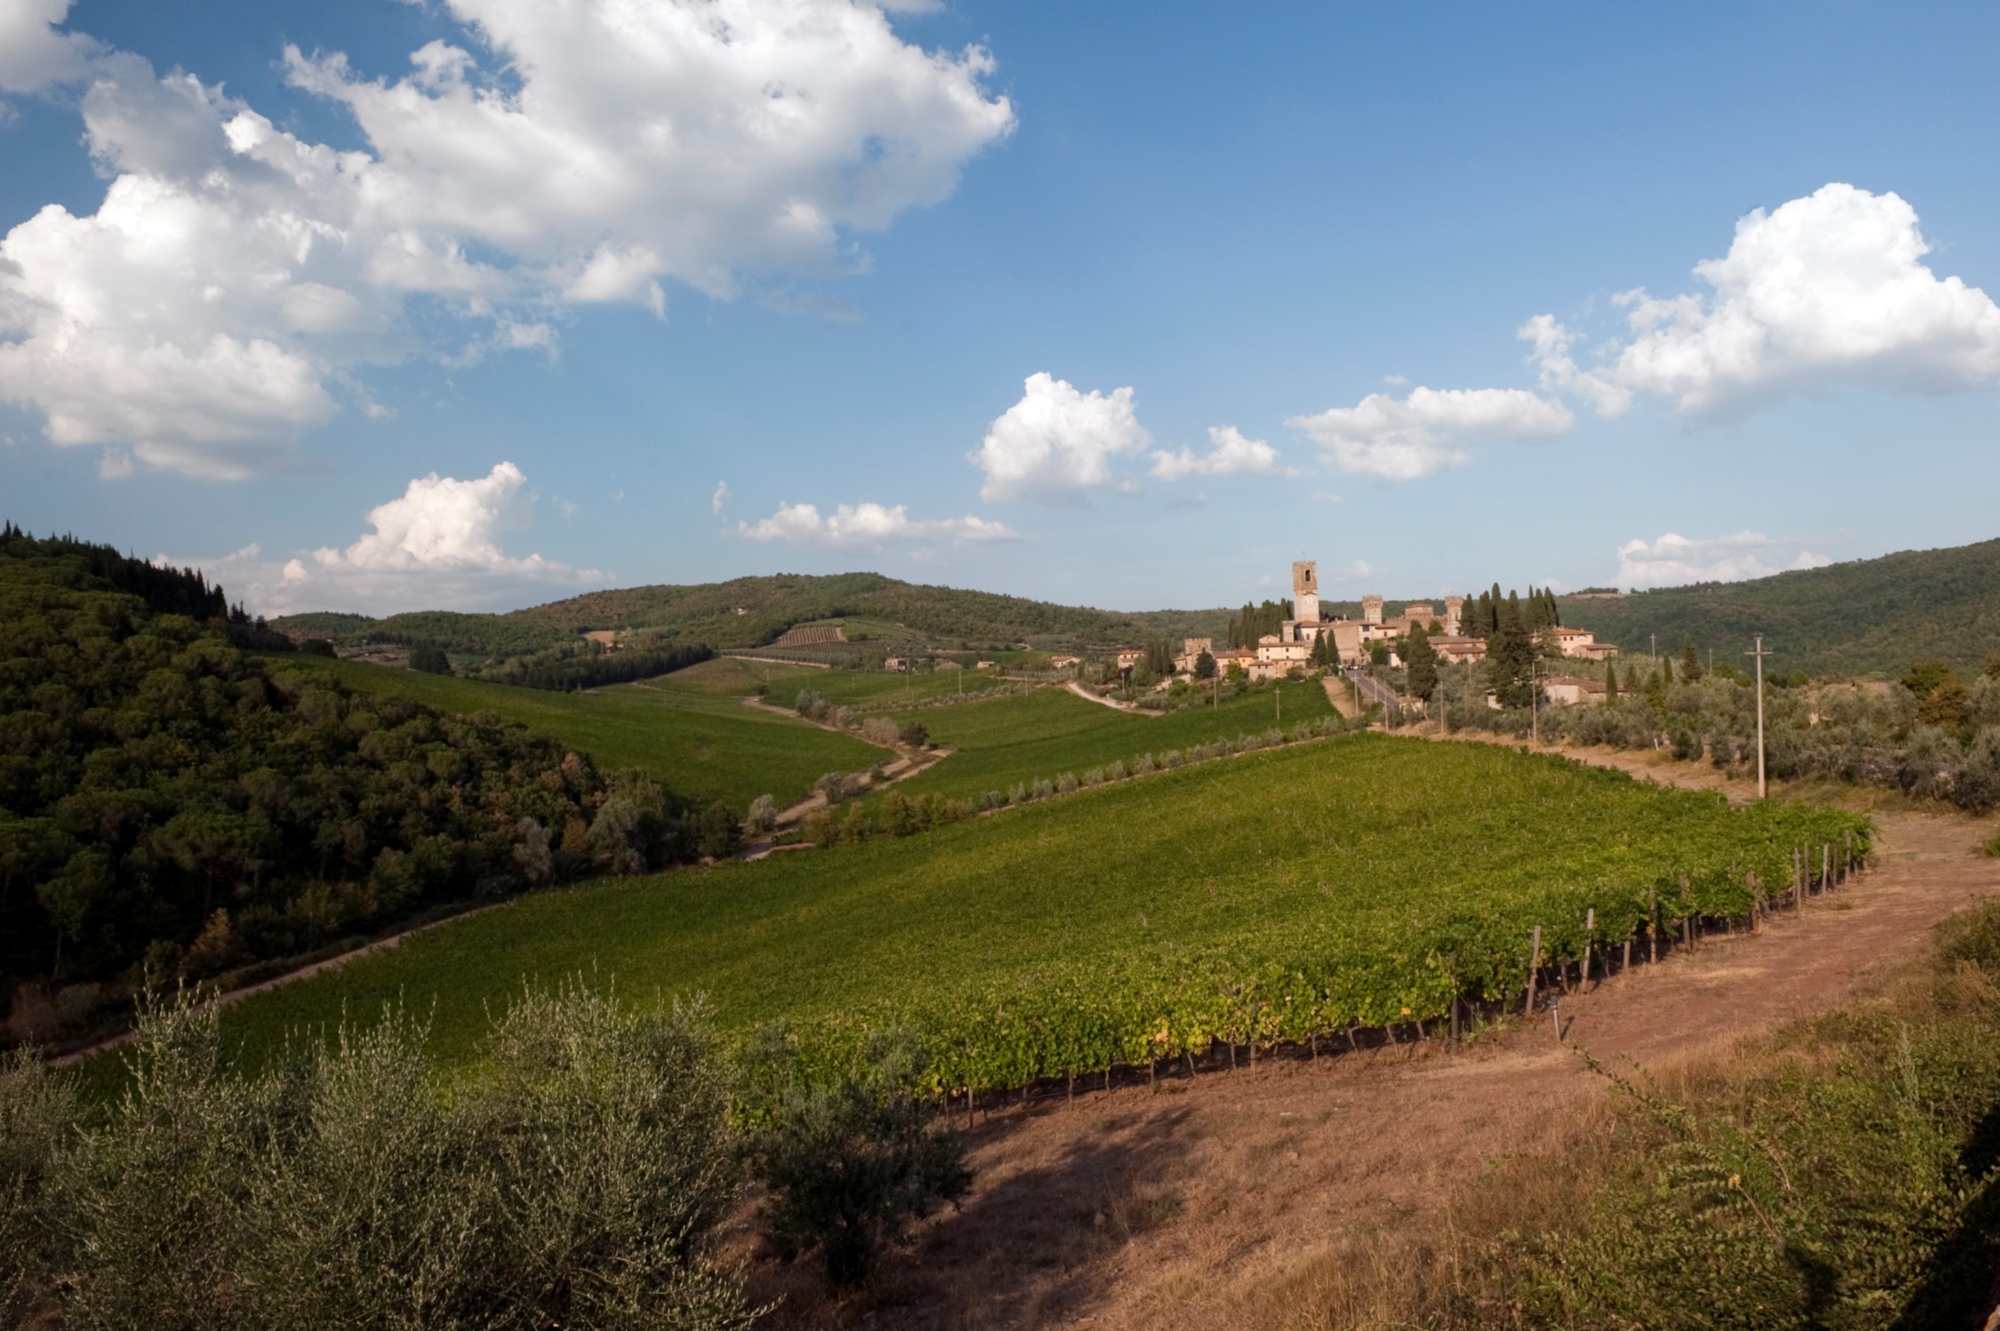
1285,895
1043,734
703,747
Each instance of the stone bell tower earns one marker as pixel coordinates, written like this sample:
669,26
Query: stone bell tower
1305,591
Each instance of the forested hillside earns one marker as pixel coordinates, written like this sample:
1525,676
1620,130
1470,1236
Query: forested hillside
1867,616
896,612
173,804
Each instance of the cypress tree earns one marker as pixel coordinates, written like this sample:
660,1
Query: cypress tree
1420,658
1511,658
1610,683
1690,661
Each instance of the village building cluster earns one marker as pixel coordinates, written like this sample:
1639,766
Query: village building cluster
1291,647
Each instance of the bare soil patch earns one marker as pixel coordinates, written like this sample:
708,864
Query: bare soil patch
1190,1203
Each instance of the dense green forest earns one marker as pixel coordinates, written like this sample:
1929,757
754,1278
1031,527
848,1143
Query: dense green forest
1870,616
707,614
174,804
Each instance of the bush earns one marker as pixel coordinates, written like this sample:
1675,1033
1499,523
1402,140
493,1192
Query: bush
849,1161
574,1179
430,660
763,816
720,831
1065,783
880,730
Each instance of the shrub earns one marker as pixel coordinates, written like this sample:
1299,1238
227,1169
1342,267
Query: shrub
880,730
1171,758
763,816
1143,765
838,787
846,718
574,1179
916,734
992,799
850,1160
631,832
1093,776
1018,794
1116,772
429,660
1065,783
1042,790
720,831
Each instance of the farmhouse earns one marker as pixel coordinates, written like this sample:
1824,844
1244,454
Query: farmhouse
1573,690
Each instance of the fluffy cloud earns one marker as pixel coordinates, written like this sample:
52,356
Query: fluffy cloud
686,140
438,544
1230,454
1404,439
34,56
1056,445
1824,291
866,524
1674,560
212,309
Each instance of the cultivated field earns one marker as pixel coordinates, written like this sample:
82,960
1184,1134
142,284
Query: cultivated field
1273,896
698,744
1043,734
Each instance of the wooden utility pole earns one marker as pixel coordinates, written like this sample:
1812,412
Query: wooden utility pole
1760,654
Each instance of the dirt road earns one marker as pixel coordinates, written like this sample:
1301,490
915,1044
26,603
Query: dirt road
1179,1206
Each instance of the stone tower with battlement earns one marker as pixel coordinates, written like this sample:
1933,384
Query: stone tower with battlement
1305,591
1371,610
1454,614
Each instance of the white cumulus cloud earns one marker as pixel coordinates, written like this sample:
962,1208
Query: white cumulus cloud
866,524
33,55
1056,444
437,546
1674,560
1229,454
1824,291
1402,439
214,307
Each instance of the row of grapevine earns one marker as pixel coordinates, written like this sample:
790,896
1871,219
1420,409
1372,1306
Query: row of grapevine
1394,960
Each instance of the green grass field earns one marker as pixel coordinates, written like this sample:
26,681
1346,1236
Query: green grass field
861,688
1271,895
698,744
1051,731
735,676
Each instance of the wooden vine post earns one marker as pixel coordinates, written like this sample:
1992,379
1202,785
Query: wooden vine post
1534,964
1589,938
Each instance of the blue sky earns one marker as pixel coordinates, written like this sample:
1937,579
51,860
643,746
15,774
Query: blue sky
1127,305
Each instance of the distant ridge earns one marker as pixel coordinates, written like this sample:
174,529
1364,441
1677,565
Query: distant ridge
891,613
1867,616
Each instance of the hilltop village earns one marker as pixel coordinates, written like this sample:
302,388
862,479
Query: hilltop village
1309,639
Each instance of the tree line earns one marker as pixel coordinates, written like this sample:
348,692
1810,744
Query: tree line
173,806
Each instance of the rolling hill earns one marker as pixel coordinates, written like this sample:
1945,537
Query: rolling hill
1868,616
890,612
1871,616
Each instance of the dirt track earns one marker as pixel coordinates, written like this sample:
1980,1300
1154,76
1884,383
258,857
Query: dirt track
1169,1208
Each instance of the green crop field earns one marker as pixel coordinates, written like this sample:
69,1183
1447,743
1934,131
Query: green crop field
1270,896
862,688
1002,741
699,745
736,676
